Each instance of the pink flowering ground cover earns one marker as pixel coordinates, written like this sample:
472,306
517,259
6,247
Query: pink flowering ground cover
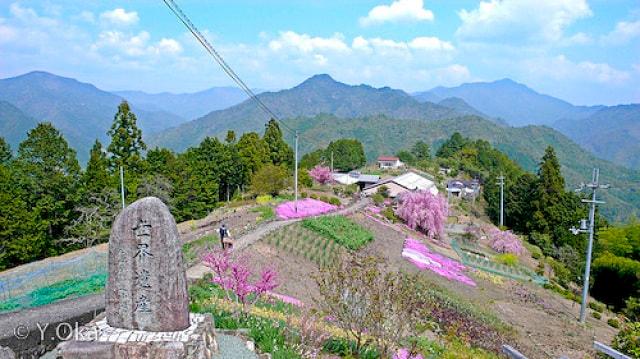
306,208
286,299
418,254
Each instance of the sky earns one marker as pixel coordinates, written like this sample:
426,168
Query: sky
583,51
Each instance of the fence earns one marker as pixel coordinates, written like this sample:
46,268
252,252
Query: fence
512,353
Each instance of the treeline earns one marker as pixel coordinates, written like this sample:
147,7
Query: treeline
49,205
347,154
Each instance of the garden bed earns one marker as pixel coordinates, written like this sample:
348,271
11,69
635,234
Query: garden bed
303,208
340,229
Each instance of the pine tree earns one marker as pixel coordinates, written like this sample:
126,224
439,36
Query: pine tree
5,152
126,141
49,171
96,176
279,152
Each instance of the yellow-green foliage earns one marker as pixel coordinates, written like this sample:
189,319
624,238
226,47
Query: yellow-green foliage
508,259
264,199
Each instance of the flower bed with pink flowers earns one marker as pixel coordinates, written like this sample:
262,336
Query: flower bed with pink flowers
418,254
306,208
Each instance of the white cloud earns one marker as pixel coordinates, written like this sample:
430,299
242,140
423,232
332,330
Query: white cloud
398,11
305,43
623,33
518,20
430,44
119,16
561,68
117,43
168,46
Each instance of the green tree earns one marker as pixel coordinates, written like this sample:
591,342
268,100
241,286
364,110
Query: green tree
314,158
406,157
348,154
96,176
452,145
270,179
126,141
50,172
162,161
5,152
421,151
195,191
253,151
231,137
279,152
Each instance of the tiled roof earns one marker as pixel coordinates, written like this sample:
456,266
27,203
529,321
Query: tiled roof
388,158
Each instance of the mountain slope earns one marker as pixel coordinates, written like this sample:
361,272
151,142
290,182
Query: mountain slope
525,145
80,110
319,94
14,124
612,133
514,102
187,105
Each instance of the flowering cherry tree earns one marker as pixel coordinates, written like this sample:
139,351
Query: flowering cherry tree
504,241
234,275
321,174
424,211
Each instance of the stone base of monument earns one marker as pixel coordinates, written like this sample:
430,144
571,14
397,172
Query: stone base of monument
100,341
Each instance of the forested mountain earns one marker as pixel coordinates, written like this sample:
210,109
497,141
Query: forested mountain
80,110
14,124
613,133
319,94
186,105
516,103
525,145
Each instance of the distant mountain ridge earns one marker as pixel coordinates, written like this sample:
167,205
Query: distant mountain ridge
14,124
316,95
81,111
187,105
519,105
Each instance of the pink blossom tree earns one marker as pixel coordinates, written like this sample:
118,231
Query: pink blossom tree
424,211
321,174
234,275
504,241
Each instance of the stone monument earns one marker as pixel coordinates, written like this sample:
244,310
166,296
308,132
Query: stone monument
147,302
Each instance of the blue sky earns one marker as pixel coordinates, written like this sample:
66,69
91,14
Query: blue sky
587,52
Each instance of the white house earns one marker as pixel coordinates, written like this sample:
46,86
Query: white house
463,189
408,182
389,162
352,177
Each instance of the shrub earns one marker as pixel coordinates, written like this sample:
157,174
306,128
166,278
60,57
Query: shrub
389,214
598,307
632,309
628,339
383,191
614,323
424,211
264,199
544,242
596,315
304,195
508,259
340,229
334,201
351,189
324,199
561,273
314,196
270,179
378,199
615,279
536,252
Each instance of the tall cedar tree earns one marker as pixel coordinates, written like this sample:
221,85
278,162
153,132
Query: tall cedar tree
96,176
50,172
126,141
5,152
348,154
279,152
254,152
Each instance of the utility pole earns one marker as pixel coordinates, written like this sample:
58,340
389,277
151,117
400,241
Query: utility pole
122,185
295,175
594,185
331,161
501,183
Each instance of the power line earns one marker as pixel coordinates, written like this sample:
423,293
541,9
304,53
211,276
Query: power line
218,58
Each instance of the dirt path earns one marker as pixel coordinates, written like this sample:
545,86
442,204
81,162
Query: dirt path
199,270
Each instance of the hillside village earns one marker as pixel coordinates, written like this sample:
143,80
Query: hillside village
384,191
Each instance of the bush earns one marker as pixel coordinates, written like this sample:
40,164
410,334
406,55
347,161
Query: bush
561,273
536,252
324,199
383,191
314,196
264,199
596,315
340,229
351,189
508,259
378,199
389,214
304,195
628,340
270,179
615,279
544,242
632,309
598,307
614,323
334,201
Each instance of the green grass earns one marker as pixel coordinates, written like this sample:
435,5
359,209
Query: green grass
340,229
266,213
193,249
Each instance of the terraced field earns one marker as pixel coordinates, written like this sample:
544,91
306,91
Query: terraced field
305,243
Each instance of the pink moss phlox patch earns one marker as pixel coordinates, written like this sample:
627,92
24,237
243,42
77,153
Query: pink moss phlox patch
286,299
306,208
418,254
